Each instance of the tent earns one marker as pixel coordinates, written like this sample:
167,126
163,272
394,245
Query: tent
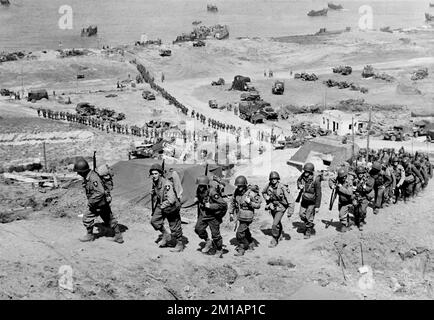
133,184
330,150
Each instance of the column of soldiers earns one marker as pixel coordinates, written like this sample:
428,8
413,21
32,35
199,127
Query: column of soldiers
389,178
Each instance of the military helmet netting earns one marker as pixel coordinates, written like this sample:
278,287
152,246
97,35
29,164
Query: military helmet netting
309,167
156,167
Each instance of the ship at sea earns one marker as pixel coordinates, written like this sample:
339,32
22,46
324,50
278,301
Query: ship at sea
313,13
89,31
334,6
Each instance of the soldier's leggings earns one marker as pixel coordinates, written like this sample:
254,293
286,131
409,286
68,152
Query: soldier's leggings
417,187
243,235
379,197
276,228
174,219
307,214
360,211
408,189
214,226
104,212
344,210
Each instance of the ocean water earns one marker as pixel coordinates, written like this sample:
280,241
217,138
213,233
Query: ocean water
33,24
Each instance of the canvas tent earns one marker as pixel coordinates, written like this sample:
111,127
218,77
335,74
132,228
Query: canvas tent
133,184
324,153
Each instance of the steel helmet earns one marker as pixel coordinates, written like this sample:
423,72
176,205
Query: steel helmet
241,181
81,165
274,175
202,180
376,166
342,172
156,167
360,170
309,167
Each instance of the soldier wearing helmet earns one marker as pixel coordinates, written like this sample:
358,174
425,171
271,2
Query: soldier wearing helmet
389,180
363,195
343,184
399,174
310,186
243,203
279,200
165,205
420,183
211,208
97,202
381,181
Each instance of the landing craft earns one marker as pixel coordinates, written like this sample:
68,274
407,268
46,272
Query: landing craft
335,6
313,13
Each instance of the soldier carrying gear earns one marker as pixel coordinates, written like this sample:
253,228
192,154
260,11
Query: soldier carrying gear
389,180
399,173
279,200
243,203
309,185
97,202
343,184
363,195
381,180
211,209
165,205
410,178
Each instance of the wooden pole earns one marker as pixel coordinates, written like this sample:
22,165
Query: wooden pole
45,156
369,129
352,134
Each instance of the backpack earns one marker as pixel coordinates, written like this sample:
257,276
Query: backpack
174,178
106,175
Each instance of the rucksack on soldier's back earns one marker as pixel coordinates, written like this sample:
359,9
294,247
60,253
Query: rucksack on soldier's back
106,174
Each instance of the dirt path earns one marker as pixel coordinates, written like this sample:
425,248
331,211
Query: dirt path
32,251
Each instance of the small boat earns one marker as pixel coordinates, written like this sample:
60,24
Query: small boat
313,13
5,2
335,6
89,31
429,17
211,8
196,22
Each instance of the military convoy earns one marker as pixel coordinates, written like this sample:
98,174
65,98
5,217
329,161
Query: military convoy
278,87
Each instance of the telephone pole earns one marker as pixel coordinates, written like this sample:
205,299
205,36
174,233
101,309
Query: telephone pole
352,134
369,130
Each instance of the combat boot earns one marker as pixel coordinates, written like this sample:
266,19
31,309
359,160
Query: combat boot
251,246
178,248
219,254
240,252
273,243
344,228
207,246
165,239
376,210
307,233
88,237
118,235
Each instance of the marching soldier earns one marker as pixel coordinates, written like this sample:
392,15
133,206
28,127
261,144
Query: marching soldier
378,175
363,195
279,200
399,173
98,203
311,193
343,184
243,203
210,210
165,205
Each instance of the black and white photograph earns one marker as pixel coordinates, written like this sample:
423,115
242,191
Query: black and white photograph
216,151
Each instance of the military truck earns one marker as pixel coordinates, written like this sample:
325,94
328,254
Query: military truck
213,104
148,95
250,96
141,151
397,133
199,43
420,129
219,82
35,95
278,87
250,111
165,53
268,112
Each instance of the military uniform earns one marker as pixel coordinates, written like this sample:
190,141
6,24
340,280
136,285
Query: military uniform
280,200
363,195
97,202
244,205
211,208
164,199
344,189
310,200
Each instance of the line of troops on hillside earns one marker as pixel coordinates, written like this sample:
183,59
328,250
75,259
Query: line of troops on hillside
388,177
144,131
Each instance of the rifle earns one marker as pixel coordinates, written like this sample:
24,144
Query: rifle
206,169
162,166
94,160
333,196
299,196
